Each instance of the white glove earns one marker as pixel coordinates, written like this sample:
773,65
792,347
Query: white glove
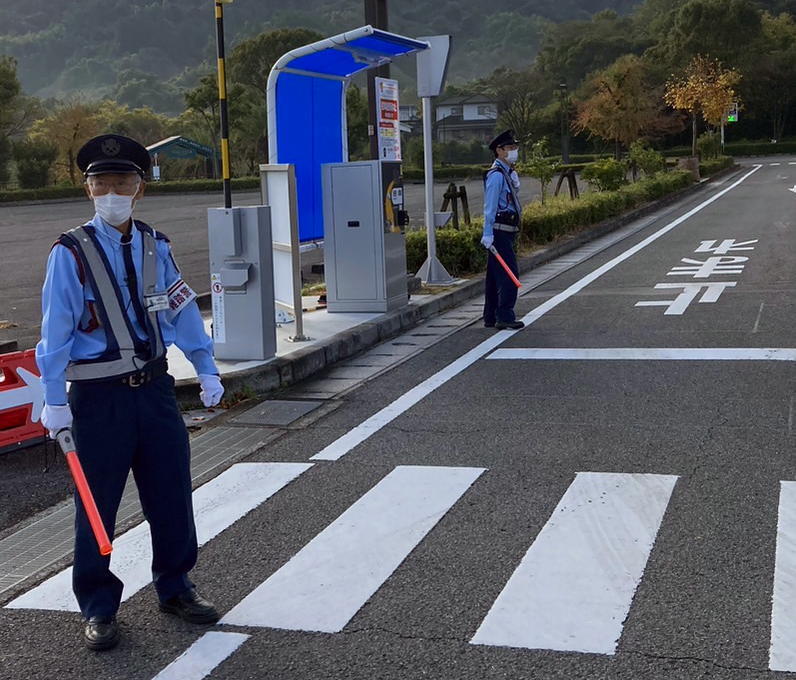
56,418
212,390
487,241
515,179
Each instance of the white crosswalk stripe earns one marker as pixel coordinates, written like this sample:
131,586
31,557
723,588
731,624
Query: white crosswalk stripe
573,589
782,653
334,575
217,505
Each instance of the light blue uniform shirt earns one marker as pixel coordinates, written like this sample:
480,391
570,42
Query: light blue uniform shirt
69,331
496,197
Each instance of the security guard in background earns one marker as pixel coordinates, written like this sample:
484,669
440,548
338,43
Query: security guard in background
502,212
112,301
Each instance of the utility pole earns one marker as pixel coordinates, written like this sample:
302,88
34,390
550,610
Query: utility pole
376,16
222,102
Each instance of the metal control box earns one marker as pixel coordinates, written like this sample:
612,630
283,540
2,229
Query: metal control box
242,283
364,242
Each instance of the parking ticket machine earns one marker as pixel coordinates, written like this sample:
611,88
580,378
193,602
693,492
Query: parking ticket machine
364,242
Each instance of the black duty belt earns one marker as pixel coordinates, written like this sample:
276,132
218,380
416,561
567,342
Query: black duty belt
147,375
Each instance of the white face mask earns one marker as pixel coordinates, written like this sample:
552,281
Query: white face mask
514,154
113,208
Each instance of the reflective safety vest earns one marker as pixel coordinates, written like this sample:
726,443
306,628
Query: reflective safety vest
120,357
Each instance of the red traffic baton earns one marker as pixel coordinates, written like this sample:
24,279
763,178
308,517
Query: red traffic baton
67,444
503,264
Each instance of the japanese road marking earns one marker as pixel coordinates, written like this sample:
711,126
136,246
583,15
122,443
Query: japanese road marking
377,421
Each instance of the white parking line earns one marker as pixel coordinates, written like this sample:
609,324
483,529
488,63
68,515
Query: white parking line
377,421
574,587
331,578
202,657
217,505
647,354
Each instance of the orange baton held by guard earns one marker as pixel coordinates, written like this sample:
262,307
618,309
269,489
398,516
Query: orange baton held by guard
503,264
67,444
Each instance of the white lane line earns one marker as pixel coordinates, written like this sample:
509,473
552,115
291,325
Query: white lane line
757,320
647,354
217,505
377,421
324,585
775,163
782,653
573,589
790,416
203,656
792,163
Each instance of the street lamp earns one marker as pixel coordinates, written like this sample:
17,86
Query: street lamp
562,89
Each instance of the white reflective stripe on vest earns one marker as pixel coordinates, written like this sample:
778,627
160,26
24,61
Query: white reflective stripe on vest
107,297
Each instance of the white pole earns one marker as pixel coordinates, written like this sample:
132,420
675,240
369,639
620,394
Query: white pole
432,272
428,160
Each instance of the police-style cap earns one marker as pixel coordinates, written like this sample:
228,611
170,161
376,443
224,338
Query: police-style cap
112,153
504,138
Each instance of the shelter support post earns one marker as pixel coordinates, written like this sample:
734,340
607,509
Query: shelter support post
432,272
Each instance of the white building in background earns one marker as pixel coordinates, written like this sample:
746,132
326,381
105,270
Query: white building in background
465,118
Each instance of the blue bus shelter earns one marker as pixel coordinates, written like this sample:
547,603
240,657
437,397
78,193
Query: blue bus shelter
307,108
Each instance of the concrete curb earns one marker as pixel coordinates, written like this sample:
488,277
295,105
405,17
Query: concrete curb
303,363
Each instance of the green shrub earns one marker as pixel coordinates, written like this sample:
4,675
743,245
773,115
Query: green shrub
607,174
646,159
542,223
711,167
709,145
541,166
787,146
459,250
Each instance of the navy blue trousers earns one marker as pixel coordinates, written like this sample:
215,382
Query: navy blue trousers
118,428
500,293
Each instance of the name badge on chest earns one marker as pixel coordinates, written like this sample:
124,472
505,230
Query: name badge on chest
159,302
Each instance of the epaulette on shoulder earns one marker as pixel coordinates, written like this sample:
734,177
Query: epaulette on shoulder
143,226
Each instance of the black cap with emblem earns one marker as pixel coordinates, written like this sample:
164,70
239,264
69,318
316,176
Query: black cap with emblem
112,153
503,139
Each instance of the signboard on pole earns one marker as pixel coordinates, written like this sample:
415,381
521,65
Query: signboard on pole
387,119
732,114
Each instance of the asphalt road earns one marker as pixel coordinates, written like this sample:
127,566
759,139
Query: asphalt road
682,462
28,231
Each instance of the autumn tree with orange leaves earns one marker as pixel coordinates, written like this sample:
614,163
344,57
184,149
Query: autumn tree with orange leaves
704,89
620,105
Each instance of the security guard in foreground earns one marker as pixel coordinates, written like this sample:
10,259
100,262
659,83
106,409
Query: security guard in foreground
502,212
112,301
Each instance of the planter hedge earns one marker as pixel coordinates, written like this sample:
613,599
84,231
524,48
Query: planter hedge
714,165
744,149
461,252
181,186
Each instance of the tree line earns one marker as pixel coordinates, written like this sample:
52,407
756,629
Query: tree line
664,73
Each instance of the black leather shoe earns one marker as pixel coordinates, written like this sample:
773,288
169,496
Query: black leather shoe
512,325
101,633
191,607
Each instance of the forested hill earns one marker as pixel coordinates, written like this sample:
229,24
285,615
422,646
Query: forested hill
93,45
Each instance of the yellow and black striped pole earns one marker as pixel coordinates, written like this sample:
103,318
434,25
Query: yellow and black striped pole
222,102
